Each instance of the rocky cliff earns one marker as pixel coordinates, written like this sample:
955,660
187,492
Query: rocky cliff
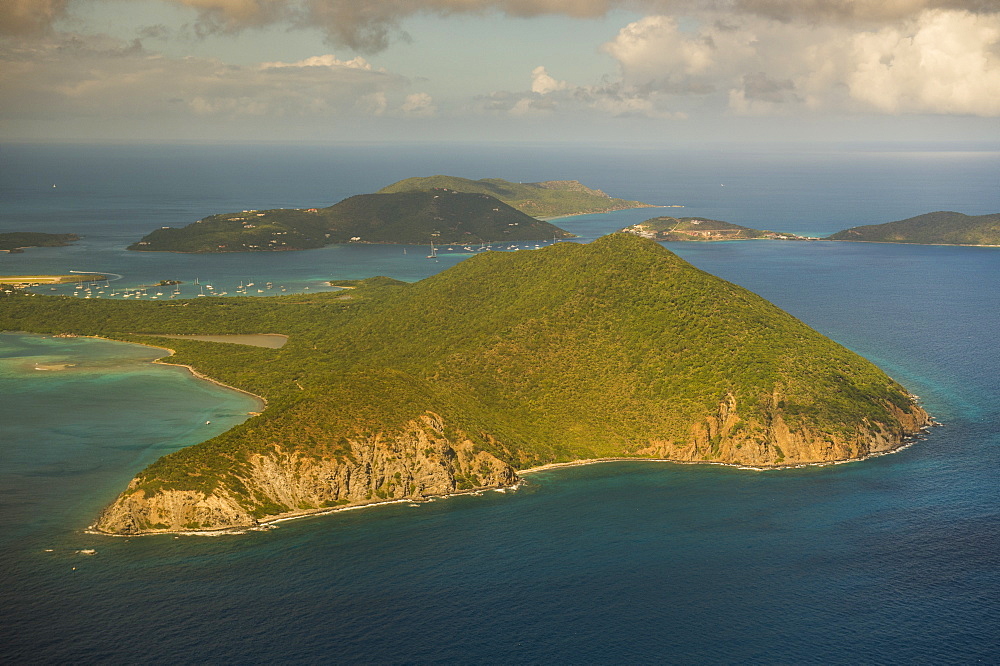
727,438
418,462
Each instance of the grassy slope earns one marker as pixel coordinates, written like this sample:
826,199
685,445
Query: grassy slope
942,227
546,199
575,351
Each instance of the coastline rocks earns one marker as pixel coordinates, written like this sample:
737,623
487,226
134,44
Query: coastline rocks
726,438
171,511
416,463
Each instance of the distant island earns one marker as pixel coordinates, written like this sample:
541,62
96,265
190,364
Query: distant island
701,229
439,209
17,241
547,199
616,349
939,228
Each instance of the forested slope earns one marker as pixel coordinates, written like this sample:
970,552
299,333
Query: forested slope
502,362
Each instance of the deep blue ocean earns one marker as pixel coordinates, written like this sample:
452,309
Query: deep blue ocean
891,560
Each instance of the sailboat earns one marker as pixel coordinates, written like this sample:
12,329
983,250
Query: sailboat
434,252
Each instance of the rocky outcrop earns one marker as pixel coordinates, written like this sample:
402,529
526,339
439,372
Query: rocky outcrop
727,438
420,461
425,459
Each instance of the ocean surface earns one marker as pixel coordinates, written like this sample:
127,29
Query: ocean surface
891,560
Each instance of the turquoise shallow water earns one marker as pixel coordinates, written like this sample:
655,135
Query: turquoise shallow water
892,560
74,435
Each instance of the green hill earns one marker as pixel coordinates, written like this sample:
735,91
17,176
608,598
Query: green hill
940,228
16,240
700,229
552,198
505,361
409,217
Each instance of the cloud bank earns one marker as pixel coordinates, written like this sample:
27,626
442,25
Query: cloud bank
77,77
939,61
370,25
683,59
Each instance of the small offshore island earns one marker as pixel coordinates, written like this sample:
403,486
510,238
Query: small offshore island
438,209
18,241
504,362
702,229
939,228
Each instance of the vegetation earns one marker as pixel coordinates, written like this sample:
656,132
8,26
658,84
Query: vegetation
16,240
700,229
438,216
940,228
615,348
552,198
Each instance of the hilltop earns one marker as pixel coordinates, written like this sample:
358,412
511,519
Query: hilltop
503,362
700,229
940,228
547,199
439,216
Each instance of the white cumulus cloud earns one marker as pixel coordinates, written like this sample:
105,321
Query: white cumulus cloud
943,62
78,76
418,104
327,60
543,84
939,62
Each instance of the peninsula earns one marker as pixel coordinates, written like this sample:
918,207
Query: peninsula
547,199
504,362
701,229
939,228
16,241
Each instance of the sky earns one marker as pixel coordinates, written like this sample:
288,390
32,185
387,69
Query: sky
500,70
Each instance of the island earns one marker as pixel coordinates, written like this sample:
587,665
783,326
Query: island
939,228
701,229
437,216
548,199
17,241
388,391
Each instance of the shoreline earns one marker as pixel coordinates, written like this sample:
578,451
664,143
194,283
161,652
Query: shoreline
909,441
905,443
887,242
205,377
271,522
195,373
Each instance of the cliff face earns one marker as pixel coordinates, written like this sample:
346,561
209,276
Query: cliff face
422,461
726,437
416,463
